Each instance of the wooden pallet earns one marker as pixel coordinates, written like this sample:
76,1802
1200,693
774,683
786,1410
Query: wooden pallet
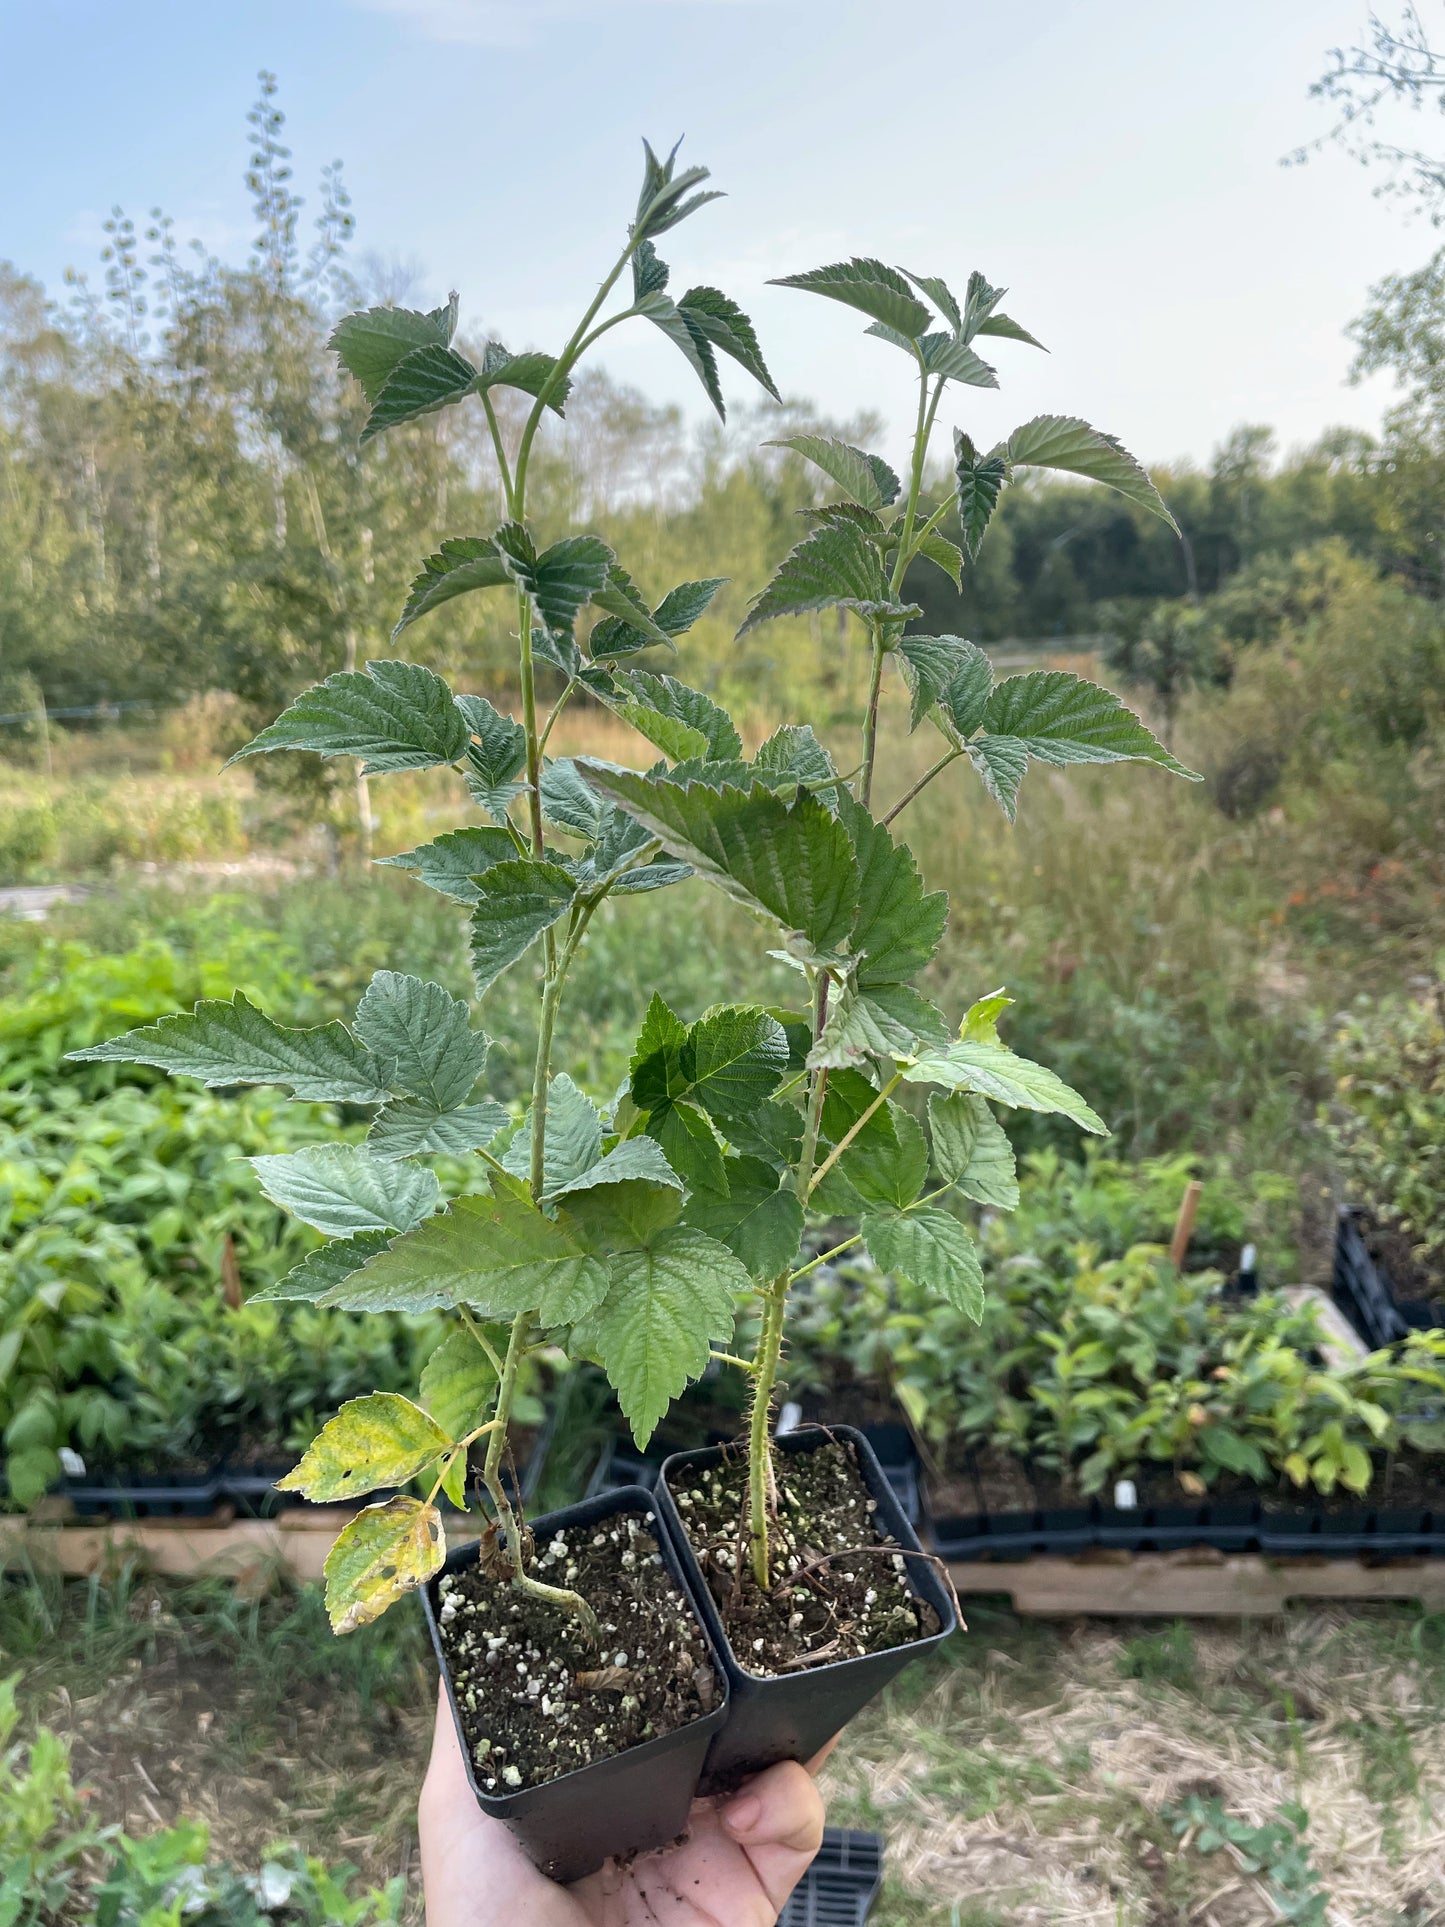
1196,1581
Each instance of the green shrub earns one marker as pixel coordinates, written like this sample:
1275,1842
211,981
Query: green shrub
1387,1123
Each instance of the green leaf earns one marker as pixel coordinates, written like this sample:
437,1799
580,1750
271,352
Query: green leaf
620,598
319,1270
427,1034
369,345
980,480
688,1142
409,1127
899,925
944,555
234,1043
499,747
394,715
568,802
516,902
1065,443
501,1256
667,198
655,1071
733,1056
1002,324
382,1439
458,1384
971,1149
385,1552
461,564
453,862
858,1029
941,296
664,696
639,1159
948,671
793,754
759,1222
771,1131
558,581
980,1023
686,334
867,285
423,381
1061,718
1001,761
572,1142
342,1189
888,1165
994,1071
832,567
531,372
943,355
791,860
867,479
681,607
668,1302
930,1249
722,323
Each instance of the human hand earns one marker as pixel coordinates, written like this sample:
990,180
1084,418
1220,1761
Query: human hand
741,1859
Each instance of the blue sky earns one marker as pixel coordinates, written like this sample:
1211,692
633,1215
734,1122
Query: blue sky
1115,163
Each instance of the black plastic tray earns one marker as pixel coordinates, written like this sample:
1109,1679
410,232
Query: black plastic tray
123,1494
1361,1288
631,1803
840,1887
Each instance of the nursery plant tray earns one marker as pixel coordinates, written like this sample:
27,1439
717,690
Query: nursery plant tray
1231,1525
840,1887
1365,1291
141,1495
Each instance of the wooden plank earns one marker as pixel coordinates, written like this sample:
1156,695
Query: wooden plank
1197,1582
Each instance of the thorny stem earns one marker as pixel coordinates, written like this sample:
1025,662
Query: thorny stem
727,1358
870,715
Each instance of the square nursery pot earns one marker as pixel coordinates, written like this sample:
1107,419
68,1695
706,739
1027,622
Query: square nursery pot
840,1887
630,1803
791,1717
896,1453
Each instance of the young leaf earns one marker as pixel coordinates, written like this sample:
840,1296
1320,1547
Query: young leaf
558,581
686,1139
1002,324
458,1384
423,381
832,567
994,1071
342,1189
655,1071
427,1035
382,1439
1061,718
567,801
664,696
572,1143
869,286
930,1249
639,1160
943,355
320,1270
408,1127
454,861
980,480
386,1552
461,564
534,374
1001,761
940,664
666,198
722,323
944,555
369,345
234,1043
759,1222
792,860
940,295
394,715
687,334
681,607
678,610
501,1256
499,746
867,479
516,902
971,1149
1064,442
793,754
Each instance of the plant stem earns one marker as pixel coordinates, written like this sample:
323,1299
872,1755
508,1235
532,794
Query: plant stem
870,716
848,1136
823,1257
727,1358
501,452
922,783
481,1337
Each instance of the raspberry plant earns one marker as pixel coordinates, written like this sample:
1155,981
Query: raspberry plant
631,1235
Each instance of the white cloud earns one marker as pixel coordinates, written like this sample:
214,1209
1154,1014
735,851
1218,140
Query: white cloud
513,23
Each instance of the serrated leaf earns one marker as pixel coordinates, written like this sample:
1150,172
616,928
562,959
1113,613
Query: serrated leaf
424,380
948,671
980,480
1065,443
667,1303
995,1072
392,715
369,345
954,360
620,1217
561,579
382,1439
665,696
870,287
733,1056
319,1270
458,1384
722,322
688,335
572,1142
516,902
971,1149
791,860
832,567
499,748
342,1189
1061,718
793,754
681,607
568,802
620,598
649,273
461,564
979,301
410,1128
639,1159
771,1131
930,1249
940,295
857,1030
1002,324
888,1166
427,1035
676,739
759,1222
688,1142
655,1072
868,479
1001,761
533,373
454,861
667,198
945,555
234,1043
385,1552
501,1256
898,925
903,1006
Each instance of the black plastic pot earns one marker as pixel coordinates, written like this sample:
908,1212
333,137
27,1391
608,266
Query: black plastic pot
840,1887
122,1494
628,1804
793,1716
896,1453
1361,1288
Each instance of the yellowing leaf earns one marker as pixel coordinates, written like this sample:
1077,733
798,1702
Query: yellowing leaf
382,1439
386,1551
